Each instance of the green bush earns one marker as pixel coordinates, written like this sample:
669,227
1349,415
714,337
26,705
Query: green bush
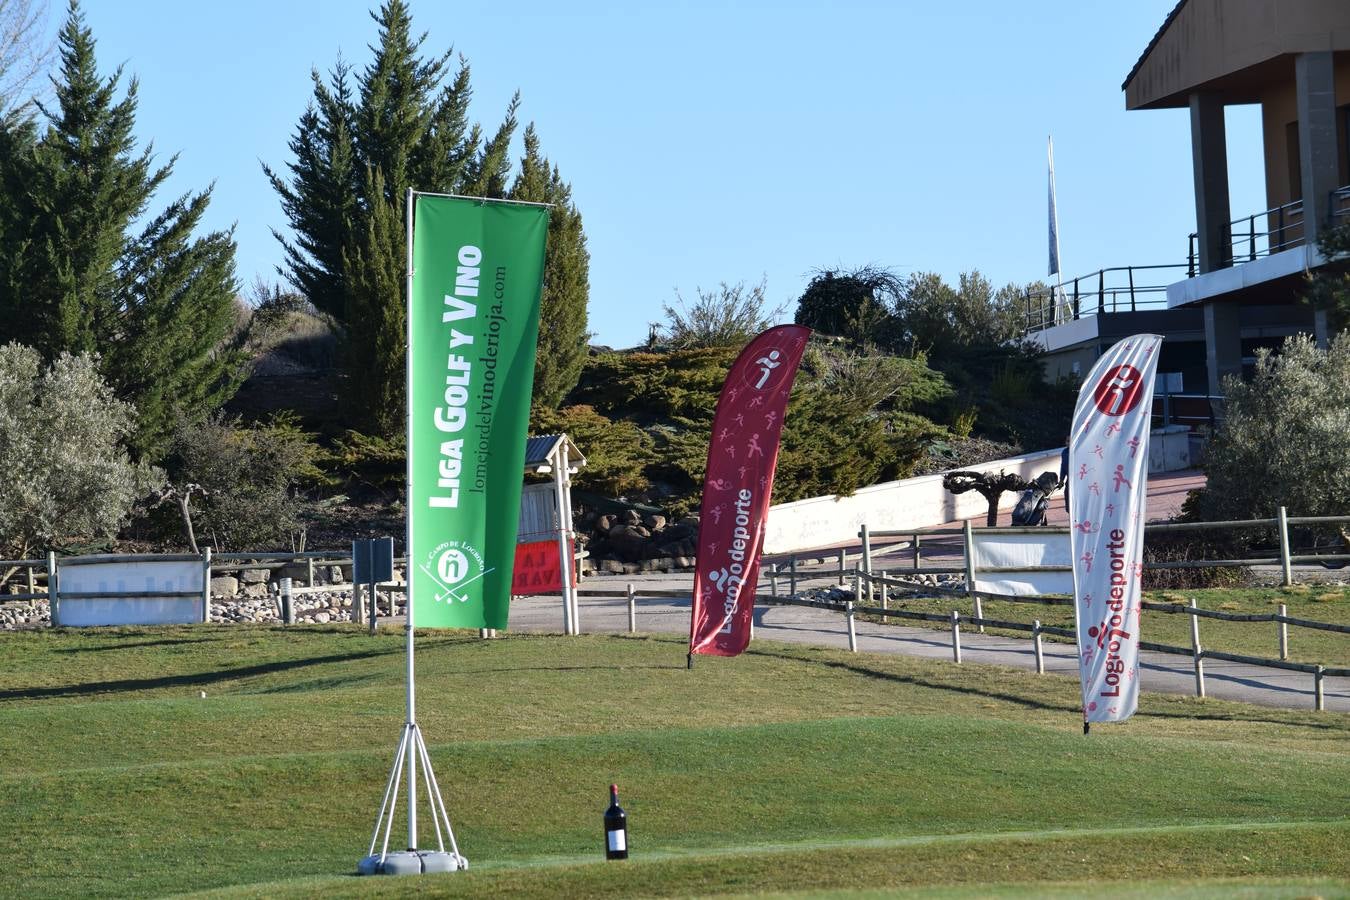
368,459
616,452
1285,439
63,435
254,478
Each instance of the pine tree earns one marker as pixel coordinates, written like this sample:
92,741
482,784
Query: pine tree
375,270
562,311
322,203
405,124
156,305
356,155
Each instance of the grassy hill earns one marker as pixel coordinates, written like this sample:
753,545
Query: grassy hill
787,769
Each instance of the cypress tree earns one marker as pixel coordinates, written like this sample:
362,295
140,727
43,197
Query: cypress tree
356,154
562,310
375,273
405,124
321,199
158,305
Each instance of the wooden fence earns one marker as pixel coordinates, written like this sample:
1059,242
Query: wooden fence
1286,559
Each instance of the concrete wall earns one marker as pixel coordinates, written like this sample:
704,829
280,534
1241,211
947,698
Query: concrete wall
911,503
923,503
1279,110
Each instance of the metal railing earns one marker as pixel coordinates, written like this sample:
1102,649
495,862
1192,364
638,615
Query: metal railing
1340,205
1260,234
1115,290
1256,235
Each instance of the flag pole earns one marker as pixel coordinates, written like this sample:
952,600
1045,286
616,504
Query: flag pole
1056,269
412,749
408,461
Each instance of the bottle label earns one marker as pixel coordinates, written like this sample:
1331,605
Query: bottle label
618,840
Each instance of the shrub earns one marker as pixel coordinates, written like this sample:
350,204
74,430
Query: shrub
1285,439
1195,545
727,317
616,452
371,460
67,475
254,478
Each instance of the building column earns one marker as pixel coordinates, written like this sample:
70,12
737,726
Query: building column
1322,328
1315,85
1223,343
1209,159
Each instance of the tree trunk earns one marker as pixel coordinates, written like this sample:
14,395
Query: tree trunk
183,500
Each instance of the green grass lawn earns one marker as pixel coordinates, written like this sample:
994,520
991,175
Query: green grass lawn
788,769
1318,603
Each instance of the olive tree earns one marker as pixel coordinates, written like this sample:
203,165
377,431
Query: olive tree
1285,440
67,474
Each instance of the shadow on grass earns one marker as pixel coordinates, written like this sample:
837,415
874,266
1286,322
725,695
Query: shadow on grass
506,669
192,680
167,642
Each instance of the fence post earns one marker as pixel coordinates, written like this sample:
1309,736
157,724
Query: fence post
567,615
857,581
1284,632
358,605
979,612
570,599
843,561
773,579
1319,703
632,609
852,632
956,636
32,581
1283,517
867,559
1197,653
206,585
885,593
1036,643
916,551
968,537
287,603
792,574
309,570
53,587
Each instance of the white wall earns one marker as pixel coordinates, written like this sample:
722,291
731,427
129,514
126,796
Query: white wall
912,503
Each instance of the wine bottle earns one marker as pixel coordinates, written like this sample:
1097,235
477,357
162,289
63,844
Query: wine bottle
616,827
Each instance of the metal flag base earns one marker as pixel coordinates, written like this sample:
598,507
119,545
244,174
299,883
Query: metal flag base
412,752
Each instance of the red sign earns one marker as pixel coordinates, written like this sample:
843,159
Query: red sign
1119,391
742,457
537,571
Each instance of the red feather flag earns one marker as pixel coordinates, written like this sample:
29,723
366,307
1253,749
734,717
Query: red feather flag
742,457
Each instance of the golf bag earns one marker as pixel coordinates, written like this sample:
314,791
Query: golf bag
1031,506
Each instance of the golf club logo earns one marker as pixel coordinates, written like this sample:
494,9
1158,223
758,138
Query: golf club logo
453,566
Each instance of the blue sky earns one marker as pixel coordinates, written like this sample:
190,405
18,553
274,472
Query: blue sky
711,142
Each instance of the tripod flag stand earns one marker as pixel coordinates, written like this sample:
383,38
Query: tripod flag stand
475,271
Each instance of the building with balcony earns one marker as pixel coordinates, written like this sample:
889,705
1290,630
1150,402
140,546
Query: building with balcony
1242,283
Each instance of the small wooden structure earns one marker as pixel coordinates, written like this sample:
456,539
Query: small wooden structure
547,509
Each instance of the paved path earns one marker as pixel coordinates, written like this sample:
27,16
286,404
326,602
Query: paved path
1159,672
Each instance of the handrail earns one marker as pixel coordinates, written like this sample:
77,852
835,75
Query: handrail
1283,229
1113,289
